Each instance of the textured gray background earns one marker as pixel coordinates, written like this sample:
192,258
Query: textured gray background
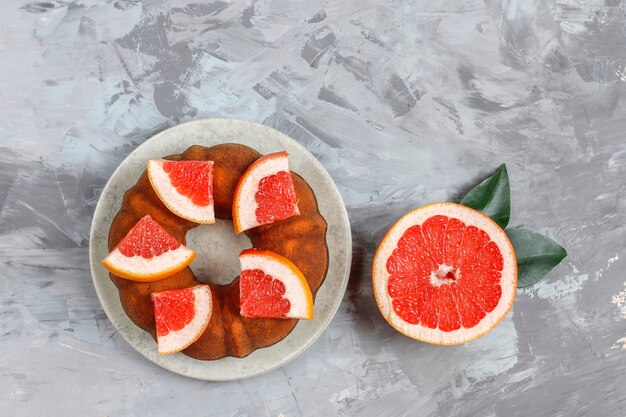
404,102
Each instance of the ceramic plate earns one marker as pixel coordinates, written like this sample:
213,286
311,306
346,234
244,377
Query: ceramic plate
224,248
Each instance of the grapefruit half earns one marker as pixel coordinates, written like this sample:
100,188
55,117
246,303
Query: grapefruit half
444,274
271,286
148,253
265,193
181,316
185,187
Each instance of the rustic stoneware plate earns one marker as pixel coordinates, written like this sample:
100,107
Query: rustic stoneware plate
219,249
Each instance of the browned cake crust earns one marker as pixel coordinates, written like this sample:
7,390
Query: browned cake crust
302,239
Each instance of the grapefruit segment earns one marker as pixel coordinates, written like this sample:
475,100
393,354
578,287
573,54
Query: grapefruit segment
271,286
265,193
185,187
181,316
444,274
148,253
452,241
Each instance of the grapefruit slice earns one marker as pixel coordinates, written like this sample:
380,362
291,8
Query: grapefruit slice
444,274
185,187
265,193
271,286
181,316
148,253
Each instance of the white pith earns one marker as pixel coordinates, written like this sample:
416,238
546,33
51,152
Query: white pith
177,340
435,275
140,266
245,200
470,218
295,290
183,205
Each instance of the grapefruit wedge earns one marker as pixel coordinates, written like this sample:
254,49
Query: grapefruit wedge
148,253
185,187
444,274
271,286
265,193
181,316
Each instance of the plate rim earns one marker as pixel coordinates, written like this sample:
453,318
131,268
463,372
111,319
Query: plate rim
347,262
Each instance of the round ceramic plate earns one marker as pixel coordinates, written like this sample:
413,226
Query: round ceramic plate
219,249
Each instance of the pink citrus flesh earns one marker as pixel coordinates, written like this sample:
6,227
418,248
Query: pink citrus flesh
148,253
265,193
181,316
444,274
185,187
271,286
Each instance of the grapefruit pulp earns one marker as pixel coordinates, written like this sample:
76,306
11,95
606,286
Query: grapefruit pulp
148,253
185,187
271,286
181,316
444,274
265,193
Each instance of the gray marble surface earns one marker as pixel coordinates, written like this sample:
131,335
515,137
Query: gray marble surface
404,103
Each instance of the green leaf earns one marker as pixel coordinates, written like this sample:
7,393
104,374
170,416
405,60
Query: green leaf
536,255
492,197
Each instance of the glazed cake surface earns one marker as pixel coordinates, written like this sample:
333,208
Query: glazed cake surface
302,239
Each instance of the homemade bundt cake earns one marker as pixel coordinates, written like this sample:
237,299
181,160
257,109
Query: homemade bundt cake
302,239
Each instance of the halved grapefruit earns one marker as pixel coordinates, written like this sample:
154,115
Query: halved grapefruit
181,316
185,187
148,253
265,193
271,286
444,274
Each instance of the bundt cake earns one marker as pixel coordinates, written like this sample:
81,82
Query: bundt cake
302,239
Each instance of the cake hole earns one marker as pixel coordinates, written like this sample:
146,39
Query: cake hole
217,251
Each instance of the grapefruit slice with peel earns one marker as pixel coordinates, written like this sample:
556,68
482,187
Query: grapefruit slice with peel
265,193
148,253
185,187
181,316
271,286
444,274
